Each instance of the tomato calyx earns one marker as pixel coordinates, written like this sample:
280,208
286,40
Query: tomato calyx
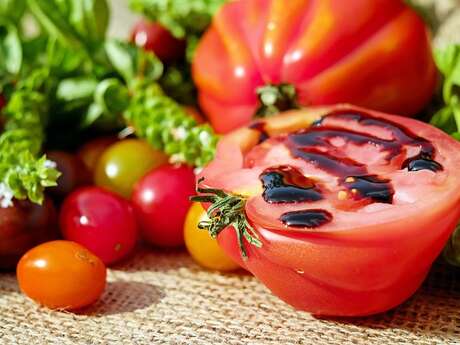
226,209
276,98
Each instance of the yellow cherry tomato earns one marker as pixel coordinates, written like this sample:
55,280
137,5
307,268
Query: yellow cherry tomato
124,163
204,249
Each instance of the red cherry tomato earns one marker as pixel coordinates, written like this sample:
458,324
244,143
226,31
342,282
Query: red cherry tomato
101,221
61,275
155,38
161,202
375,54
90,152
350,212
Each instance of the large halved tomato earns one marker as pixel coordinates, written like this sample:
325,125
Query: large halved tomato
372,53
339,210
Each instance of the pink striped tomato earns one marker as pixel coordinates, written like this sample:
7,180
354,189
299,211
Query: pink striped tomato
374,54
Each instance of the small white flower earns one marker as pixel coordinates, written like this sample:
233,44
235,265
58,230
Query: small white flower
205,138
176,158
50,164
198,170
6,196
179,133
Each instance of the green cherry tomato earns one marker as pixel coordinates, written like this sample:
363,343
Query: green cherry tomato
124,163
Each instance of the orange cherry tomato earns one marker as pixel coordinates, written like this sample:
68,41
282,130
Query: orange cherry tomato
61,275
204,249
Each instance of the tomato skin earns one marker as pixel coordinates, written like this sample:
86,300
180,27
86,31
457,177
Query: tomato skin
161,201
354,268
155,38
101,221
124,163
92,150
73,172
61,275
375,54
204,249
23,226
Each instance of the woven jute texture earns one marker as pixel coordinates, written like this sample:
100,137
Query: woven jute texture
165,298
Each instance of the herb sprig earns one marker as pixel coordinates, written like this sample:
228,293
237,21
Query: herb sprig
70,77
448,117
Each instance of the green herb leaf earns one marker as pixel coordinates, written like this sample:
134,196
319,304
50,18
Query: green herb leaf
448,62
76,89
12,9
90,18
53,16
132,62
10,48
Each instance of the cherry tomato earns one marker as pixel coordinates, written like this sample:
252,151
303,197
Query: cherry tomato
155,38
23,226
90,152
101,221
348,214
161,201
73,172
204,249
61,275
124,163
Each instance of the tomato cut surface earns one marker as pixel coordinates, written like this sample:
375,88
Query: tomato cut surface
351,206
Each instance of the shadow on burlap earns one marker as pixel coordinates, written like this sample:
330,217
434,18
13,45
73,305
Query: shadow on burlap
165,298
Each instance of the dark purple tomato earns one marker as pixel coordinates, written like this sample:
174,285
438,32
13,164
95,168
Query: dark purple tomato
161,202
155,38
23,226
73,172
101,221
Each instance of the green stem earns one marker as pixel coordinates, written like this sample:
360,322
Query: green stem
227,210
276,98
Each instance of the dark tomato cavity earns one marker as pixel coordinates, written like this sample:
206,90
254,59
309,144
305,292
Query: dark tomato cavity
285,184
306,218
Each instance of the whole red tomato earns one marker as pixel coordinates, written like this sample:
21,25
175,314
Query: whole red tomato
370,53
161,202
339,210
23,226
155,38
101,221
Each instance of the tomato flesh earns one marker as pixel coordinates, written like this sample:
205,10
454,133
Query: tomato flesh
61,275
351,210
101,221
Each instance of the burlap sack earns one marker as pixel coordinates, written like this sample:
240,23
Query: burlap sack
164,298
